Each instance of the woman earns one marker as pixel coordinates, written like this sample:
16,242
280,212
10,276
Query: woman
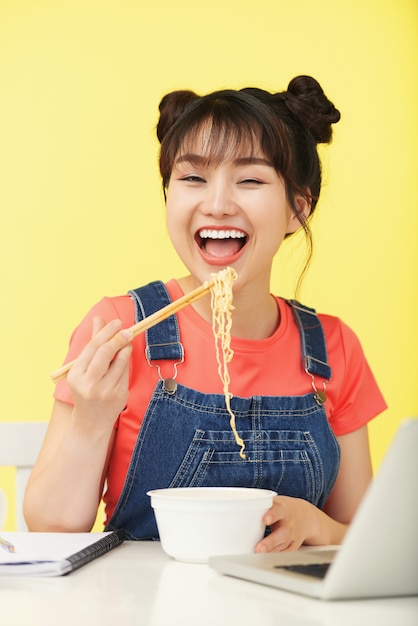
241,172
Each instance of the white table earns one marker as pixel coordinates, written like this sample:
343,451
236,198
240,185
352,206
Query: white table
138,584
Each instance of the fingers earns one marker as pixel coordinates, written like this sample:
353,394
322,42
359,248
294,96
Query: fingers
107,354
285,527
280,540
98,324
99,379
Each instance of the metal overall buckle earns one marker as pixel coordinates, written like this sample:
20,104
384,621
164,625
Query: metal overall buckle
320,395
169,384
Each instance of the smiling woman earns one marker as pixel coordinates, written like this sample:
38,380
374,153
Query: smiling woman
258,133
240,170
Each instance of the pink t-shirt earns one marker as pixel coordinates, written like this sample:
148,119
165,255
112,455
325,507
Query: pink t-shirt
271,366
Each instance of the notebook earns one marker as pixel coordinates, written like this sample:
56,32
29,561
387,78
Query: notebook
379,554
52,554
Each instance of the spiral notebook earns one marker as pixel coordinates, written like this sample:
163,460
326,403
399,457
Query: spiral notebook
52,554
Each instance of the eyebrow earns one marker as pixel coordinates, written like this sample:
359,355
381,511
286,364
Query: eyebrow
198,159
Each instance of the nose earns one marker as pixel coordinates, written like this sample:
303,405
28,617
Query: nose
219,198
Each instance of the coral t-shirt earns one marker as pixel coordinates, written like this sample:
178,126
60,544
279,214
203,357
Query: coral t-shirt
271,366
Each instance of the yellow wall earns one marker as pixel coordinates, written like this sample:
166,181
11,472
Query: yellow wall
82,214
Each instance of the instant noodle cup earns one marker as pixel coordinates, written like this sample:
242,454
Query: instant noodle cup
197,522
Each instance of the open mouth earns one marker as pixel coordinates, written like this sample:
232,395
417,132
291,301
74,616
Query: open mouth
222,243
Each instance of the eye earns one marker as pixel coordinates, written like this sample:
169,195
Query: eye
251,181
193,178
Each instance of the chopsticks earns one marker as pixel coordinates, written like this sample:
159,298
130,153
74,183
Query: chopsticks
149,321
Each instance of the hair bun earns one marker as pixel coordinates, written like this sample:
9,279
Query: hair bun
171,107
305,98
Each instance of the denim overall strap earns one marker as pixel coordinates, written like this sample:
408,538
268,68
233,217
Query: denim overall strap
314,351
163,339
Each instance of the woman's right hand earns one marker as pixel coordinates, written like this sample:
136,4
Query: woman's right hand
99,378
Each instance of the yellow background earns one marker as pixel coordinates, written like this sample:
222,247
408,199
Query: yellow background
82,214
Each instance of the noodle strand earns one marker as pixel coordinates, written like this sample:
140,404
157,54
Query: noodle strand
221,302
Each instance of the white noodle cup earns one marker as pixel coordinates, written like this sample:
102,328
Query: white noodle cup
195,523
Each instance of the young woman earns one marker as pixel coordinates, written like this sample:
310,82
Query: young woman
240,172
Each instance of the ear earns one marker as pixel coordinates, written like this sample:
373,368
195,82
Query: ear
304,210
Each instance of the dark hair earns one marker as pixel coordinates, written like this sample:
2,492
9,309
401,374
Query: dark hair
286,126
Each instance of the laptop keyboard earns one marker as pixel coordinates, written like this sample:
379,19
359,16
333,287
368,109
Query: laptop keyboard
317,570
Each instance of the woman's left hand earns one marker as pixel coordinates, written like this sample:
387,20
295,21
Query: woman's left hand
292,521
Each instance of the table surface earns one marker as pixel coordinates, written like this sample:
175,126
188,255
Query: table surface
137,583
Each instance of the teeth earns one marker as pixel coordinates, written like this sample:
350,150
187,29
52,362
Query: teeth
207,233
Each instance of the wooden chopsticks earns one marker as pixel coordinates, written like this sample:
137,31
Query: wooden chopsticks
149,321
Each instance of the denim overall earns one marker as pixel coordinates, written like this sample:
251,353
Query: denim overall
186,441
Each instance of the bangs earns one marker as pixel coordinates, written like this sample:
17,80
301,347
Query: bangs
217,140
221,127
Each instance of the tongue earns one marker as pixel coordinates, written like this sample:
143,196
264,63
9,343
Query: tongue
222,247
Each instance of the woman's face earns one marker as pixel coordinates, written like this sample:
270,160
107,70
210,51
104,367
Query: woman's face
233,213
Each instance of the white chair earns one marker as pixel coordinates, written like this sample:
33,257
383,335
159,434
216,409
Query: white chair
20,443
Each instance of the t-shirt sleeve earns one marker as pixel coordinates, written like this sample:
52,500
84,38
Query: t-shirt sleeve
359,398
107,308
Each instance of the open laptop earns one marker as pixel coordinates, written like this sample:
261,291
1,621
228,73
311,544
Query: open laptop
379,555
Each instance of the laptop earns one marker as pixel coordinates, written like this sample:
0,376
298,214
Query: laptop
379,554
